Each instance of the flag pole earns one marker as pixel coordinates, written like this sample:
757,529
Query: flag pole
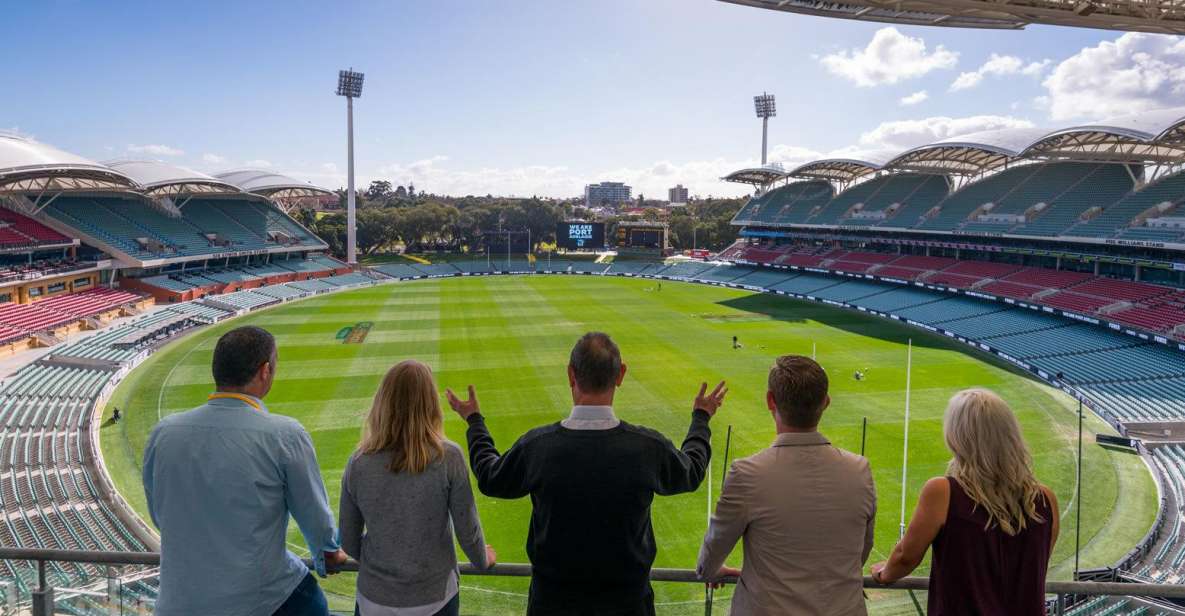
905,446
813,354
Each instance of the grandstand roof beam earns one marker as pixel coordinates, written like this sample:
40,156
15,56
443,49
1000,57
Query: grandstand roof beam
159,179
1124,15
31,166
1105,145
968,155
757,176
842,170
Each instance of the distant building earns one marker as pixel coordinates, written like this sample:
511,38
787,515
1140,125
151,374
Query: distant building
606,193
678,194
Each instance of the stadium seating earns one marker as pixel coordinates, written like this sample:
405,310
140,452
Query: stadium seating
1120,289
1103,187
399,270
315,285
957,207
18,230
842,203
348,280
793,203
893,190
1169,190
925,196
237,225
87,303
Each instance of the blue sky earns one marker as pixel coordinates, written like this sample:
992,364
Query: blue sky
536,96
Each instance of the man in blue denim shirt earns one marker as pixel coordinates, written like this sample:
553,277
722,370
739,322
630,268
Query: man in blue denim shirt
221,481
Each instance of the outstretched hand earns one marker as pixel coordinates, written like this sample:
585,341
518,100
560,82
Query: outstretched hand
464,408
710,402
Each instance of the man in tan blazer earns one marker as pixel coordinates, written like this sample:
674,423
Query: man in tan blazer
805,509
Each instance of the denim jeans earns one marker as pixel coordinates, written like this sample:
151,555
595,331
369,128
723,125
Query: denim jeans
306,600
452,608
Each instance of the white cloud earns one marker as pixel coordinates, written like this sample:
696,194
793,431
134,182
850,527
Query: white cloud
915,98
998,65
213,159
259,163
901,135
154,149
1133,73
16,131
890,57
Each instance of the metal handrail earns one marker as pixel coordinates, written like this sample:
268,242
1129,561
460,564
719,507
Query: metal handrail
1124,589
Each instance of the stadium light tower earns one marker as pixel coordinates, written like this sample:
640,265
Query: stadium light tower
349,85
766,109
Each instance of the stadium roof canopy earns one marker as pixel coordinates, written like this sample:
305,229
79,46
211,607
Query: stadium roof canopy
31,166
970,154
758,176
271,184
1130,138
1160,16
1174,132
162,179
843,169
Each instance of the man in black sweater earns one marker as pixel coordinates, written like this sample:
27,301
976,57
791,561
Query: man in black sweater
591,478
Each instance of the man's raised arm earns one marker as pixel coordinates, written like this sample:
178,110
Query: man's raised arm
498,475
682,470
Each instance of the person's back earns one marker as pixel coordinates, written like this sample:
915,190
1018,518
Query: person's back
591,490
591,479
805,510
810,508
211,519
220,482
991,523
404,494
976,563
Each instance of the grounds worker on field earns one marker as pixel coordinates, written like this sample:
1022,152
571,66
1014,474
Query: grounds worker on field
591,479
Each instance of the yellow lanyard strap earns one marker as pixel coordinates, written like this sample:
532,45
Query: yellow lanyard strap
223,395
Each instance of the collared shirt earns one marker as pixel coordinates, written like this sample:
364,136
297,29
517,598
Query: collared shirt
806,512
221,481
586,417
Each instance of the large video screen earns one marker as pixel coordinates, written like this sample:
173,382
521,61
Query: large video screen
577,235
646,238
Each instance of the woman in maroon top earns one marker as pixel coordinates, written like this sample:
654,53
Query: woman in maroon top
992,525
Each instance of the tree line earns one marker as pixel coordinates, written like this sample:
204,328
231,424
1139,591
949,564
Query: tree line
390,220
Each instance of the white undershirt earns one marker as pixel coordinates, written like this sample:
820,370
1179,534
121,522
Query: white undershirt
591,418
369,608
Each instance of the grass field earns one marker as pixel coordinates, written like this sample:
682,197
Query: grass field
510,336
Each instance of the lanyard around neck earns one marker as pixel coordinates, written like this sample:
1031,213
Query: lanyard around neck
226,395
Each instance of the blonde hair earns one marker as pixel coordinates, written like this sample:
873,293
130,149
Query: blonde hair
991,461
405,419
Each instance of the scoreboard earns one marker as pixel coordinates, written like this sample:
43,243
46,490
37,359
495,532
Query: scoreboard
580,235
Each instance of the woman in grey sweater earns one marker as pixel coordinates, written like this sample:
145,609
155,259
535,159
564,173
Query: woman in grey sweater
404,494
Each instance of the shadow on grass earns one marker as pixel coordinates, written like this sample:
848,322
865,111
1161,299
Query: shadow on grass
790,310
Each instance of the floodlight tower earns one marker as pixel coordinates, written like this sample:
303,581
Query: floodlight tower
349,85
765,110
